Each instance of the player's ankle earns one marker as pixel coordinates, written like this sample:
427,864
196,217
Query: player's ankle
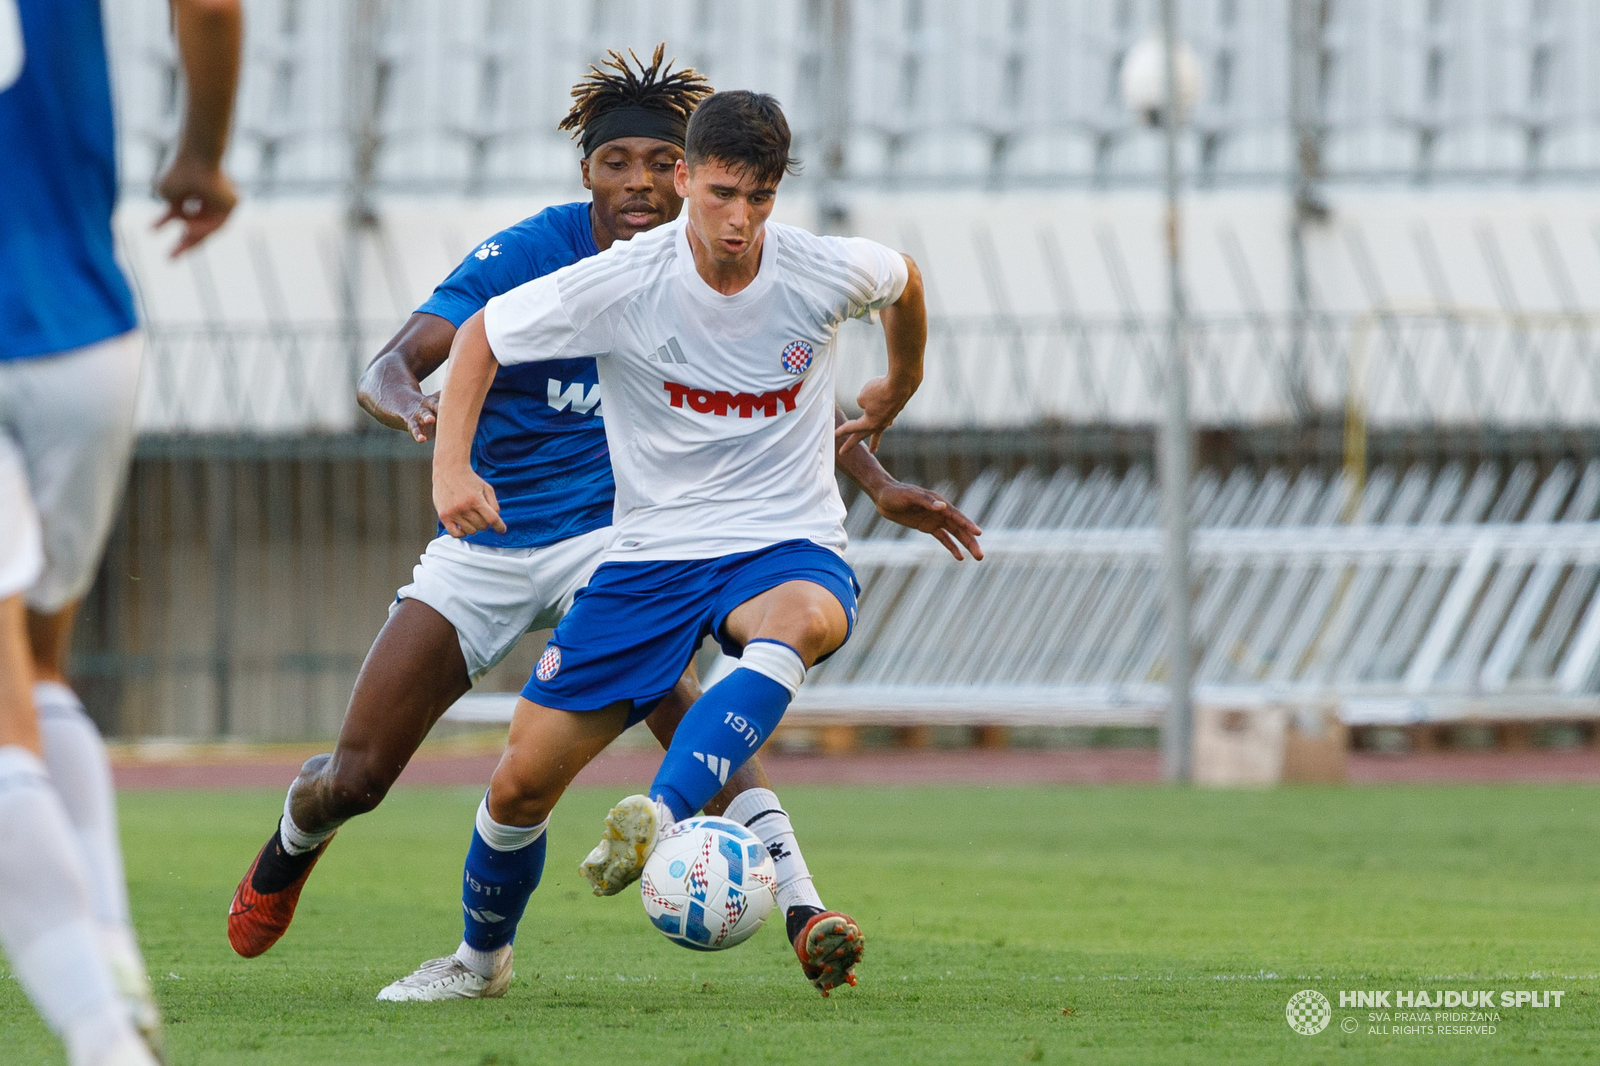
297,840
480,962
277,867
796,917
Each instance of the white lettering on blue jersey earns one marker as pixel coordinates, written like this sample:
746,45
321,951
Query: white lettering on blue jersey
575,397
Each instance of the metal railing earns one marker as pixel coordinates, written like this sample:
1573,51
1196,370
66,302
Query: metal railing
1417,369
1445,593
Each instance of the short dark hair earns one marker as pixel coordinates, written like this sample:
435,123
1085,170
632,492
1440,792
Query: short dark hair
744,131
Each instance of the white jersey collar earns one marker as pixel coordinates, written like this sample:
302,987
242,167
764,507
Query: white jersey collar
705,293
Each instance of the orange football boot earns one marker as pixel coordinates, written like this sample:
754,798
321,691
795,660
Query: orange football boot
257,918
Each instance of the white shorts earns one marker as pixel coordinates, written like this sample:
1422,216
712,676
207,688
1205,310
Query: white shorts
66,431
495,595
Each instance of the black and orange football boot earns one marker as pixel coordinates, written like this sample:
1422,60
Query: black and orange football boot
263,904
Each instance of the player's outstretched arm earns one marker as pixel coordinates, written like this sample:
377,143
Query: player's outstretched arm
911,506
905,327
391,388
197,192
465,502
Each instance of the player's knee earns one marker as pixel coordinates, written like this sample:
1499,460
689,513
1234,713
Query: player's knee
815,631
516,800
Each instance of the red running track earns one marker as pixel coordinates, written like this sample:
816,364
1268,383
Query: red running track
1090,766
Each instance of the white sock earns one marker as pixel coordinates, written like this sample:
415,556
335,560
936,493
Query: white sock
776,660
479,962
76,758
758,810
297,841
81,773
505,837
47,926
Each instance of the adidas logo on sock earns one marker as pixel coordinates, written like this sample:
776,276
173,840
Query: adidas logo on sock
487,917
717,765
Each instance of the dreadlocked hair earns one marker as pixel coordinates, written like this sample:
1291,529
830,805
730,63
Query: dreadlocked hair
672,92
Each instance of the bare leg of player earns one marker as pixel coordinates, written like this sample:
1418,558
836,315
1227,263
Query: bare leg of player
412,675
47,927
821,938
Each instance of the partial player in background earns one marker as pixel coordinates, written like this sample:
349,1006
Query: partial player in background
541,445
715,342
69,373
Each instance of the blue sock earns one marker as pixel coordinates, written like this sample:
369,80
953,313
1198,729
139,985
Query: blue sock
503,868
726,726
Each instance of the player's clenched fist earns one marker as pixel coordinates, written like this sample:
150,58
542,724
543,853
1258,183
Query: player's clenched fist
466,503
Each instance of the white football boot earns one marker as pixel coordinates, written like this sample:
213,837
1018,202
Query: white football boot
632,829
450,978
133,985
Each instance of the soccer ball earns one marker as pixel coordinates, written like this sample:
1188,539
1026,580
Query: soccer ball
709,884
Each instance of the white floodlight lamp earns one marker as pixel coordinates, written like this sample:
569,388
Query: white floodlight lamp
1143,79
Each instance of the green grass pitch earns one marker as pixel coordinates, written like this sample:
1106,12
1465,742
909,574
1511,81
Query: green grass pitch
1004,925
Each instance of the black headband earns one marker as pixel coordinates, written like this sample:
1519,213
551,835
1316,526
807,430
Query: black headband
633,121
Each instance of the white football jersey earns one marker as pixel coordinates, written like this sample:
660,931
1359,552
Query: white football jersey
718,409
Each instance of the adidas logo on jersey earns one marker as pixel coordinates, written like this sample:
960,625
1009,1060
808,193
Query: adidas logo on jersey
716,764
668,353
723,402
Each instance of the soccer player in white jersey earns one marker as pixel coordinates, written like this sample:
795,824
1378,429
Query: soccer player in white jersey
69,373
715,342
541,445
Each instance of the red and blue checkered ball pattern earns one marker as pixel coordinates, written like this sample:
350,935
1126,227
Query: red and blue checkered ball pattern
797,357
549,663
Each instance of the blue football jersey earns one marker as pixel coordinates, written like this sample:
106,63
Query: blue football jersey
60,286
540,441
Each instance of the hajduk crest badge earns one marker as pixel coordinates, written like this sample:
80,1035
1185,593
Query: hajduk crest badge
549,663
796,357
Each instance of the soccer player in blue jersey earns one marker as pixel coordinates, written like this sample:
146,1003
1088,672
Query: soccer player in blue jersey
715,342
541,445
69,374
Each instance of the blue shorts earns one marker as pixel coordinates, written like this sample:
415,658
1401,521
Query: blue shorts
634,628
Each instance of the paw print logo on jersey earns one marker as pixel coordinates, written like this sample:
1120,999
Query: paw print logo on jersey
796,357
486,250
549,663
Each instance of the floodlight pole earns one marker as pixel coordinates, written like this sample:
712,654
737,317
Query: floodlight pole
833,215
360,214
1177,734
